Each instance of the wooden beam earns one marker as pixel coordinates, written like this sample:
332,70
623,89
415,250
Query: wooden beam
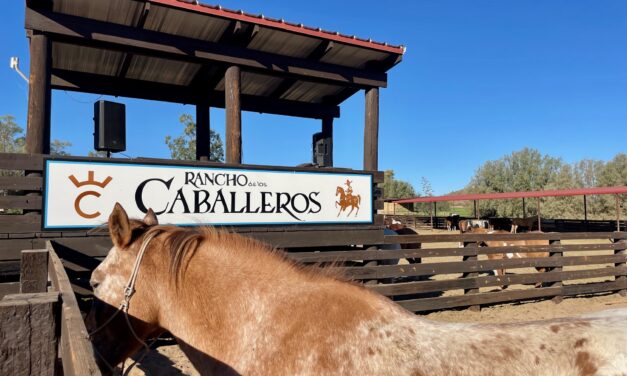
38,123
141,21
237,34
124,87
318,53
34,271
539,217
327,134
233,115
89,32
203,132
585,208
371,130
28,334
617,213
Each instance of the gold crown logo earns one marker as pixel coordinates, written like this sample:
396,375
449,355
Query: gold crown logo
90,180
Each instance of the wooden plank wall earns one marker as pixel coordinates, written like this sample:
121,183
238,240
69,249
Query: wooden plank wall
589,263
23,193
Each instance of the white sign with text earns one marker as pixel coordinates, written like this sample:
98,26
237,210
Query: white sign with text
81,194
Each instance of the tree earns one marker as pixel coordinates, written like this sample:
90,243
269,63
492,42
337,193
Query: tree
11,139
184,146
97,153
58,147
524,170
393,188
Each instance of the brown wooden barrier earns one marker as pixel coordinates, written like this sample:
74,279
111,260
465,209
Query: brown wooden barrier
467,281
42,330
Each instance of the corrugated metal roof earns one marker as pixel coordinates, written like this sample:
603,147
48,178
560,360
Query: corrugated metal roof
510,195
216,25
279,24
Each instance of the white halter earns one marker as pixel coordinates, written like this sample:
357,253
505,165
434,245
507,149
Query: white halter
129,290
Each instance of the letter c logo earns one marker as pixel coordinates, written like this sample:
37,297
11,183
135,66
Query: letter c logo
77,205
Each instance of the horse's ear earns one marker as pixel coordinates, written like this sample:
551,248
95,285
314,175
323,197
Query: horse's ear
151,218
119,227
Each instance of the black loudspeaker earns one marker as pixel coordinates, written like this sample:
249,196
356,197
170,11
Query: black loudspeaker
321,150
109,126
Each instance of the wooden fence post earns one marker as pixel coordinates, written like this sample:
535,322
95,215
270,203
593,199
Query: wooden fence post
556,252
621,251
28,334
473,257
34,271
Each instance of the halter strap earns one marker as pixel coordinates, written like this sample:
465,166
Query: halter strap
129,290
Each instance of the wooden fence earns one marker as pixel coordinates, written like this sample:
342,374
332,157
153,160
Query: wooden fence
450,276
548,225
22,192
42,330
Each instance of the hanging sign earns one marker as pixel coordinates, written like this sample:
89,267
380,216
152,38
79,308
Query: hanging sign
81,194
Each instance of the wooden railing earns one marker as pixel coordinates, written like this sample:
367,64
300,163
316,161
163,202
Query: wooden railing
463,278
548,225
42,330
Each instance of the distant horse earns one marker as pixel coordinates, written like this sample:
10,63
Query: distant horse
511,255
523,222
452,222
347,200
238,307
497,223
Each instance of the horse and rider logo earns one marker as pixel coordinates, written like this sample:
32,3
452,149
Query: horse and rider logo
90,181
347,198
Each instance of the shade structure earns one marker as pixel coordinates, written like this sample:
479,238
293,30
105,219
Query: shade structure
178,51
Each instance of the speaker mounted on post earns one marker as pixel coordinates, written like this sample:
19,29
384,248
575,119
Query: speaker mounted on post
109,126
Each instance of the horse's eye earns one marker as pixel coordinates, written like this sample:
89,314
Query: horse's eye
94,284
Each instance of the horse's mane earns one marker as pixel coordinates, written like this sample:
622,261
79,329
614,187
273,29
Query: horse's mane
182,243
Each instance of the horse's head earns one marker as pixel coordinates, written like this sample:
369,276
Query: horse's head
339,191
112,338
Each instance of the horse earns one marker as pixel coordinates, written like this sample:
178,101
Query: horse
452,222
347,200
523,222
237,306
512,255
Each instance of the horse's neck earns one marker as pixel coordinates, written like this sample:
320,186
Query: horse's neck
228,304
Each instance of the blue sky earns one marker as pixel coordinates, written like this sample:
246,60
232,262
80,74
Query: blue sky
480,79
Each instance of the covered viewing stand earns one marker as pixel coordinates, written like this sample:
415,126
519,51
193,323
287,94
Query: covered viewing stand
616,191
185,52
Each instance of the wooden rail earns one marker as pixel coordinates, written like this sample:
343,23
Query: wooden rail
43,322
464,278
555,225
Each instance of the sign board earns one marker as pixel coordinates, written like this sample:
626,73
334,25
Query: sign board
81,194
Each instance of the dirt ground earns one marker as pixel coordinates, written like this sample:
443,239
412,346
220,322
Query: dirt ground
168,360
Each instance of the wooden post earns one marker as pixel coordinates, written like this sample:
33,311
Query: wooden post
585,212
475,211
38,123
472,257
435,213
327,134
556,252
371,130
431,215
203,140
34,271
617,213
28,334
524,208
539,217
233,115
621,251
